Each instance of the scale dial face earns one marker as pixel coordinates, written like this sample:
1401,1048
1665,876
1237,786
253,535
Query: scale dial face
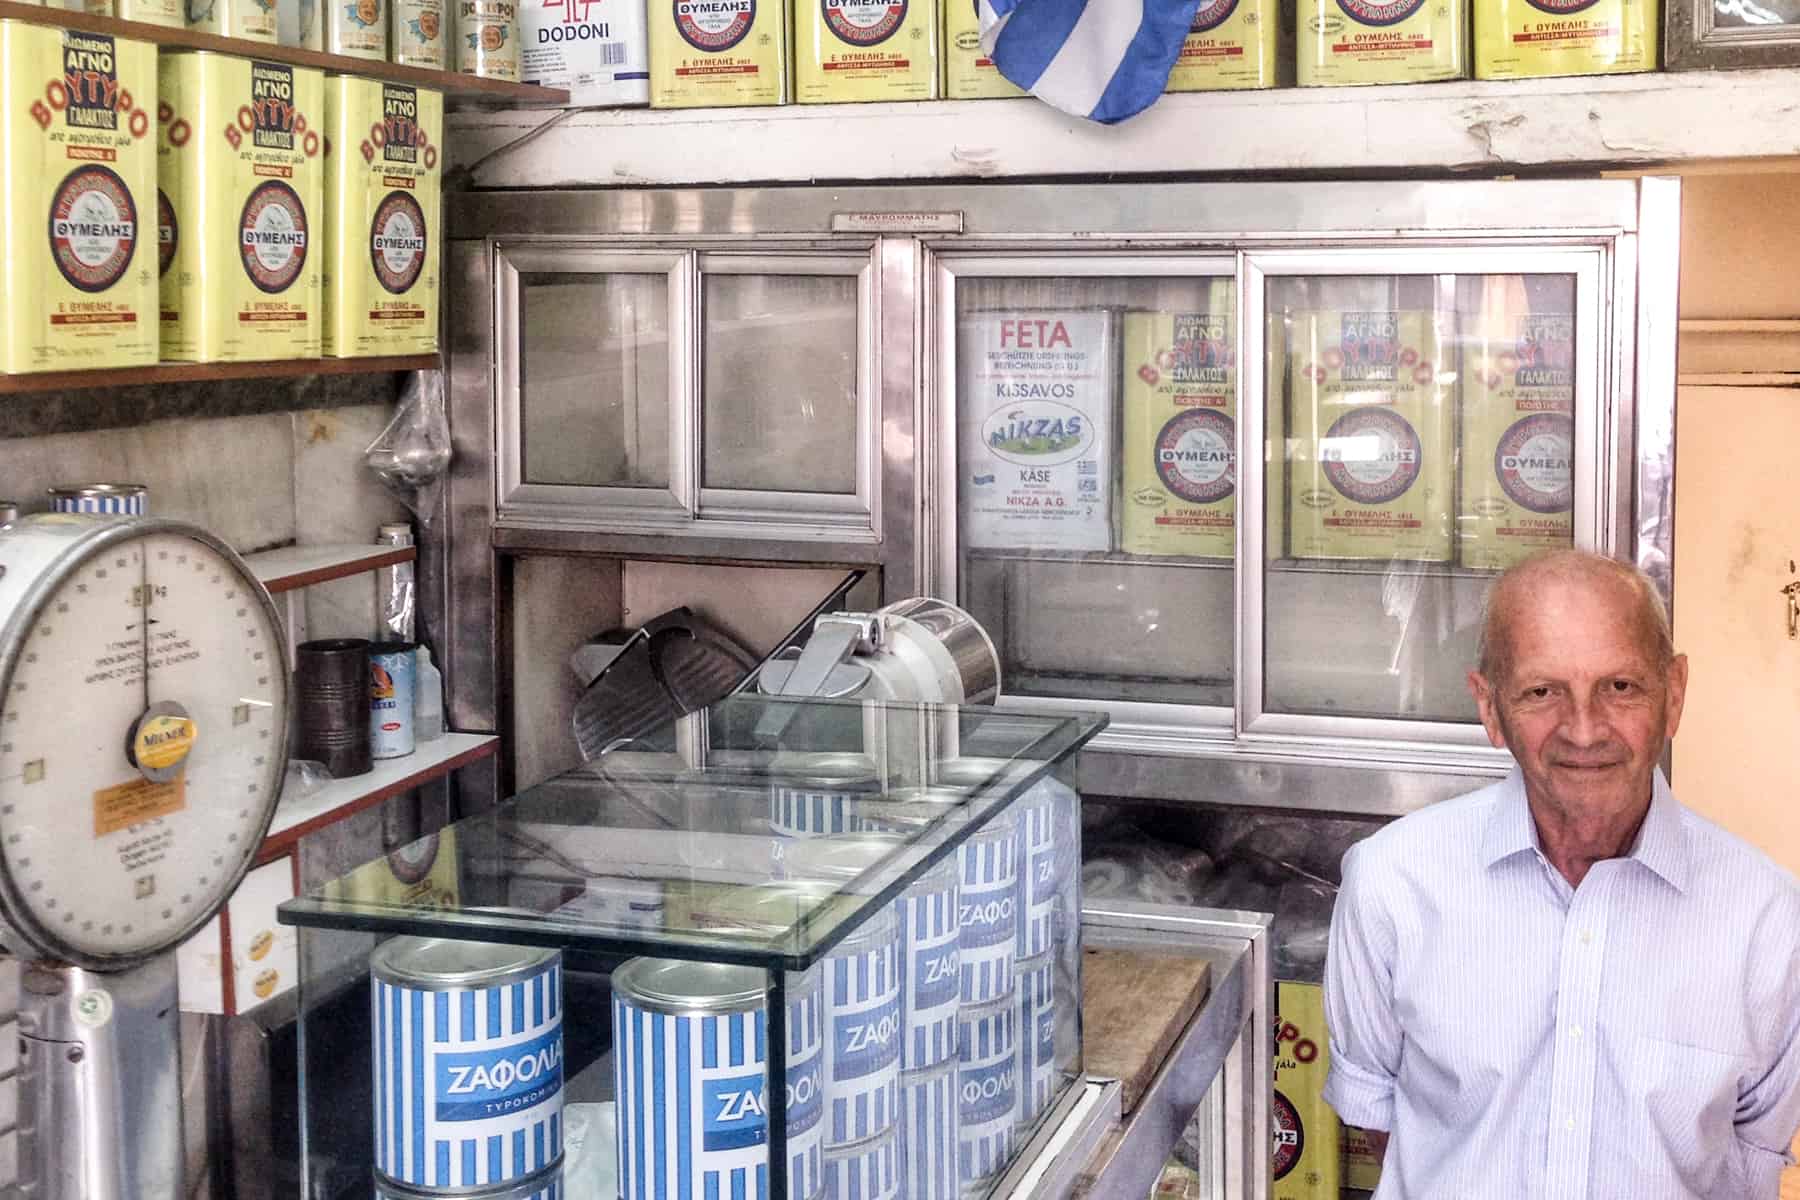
142,745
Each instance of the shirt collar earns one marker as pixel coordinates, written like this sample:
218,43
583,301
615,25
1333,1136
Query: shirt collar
1661,844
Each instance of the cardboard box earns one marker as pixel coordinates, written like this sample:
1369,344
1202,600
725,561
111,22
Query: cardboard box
240,160
718,53
598,49
78,169
851,50
1304,1161
383,236
1178,485
1523,39
1381,41
1370,436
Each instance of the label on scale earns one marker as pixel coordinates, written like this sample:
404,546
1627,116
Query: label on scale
133,803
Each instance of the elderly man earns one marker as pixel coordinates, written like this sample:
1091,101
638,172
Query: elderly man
1567,984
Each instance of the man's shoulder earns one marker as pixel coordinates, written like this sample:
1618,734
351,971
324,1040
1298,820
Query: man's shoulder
1738,868
1438,836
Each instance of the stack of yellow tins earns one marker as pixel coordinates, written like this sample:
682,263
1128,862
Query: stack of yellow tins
718,52
865,50
77,180
969,74
240,160
381,217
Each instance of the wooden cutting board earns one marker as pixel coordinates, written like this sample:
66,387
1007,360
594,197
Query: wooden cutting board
1134,1004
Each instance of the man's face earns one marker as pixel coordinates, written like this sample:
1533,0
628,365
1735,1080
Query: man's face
1584,706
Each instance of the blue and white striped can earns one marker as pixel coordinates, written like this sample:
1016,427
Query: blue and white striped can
120,499
690,1072
1037,1037
392,667
930,950
547,1185
928,1142
988,910
816,795
862,1044
987,1089
865,1170
468,1067
1043,861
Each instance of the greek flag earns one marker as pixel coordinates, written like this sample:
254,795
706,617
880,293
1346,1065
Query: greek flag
1101,59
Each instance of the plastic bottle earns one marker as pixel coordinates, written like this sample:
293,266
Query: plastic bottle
428,702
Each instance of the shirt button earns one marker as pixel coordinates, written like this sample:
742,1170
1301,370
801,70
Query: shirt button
1575,1031
1570,1125
1586,937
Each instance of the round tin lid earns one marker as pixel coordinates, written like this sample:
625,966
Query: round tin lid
846,767
773,908
967,774
679,986
840,857
439,964
99,489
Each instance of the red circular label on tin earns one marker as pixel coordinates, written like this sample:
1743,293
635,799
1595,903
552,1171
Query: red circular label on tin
93,228
863,22
1289,1135
397,242
1533,462
1211,14
272,236
1376,12
1196,455
168,233
1371,455
714,25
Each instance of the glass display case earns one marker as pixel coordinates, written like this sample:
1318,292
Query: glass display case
870,909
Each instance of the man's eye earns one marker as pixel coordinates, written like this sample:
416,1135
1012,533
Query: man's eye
1537,693
1621,686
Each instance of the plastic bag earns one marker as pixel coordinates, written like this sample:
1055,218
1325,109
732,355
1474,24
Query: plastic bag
413,452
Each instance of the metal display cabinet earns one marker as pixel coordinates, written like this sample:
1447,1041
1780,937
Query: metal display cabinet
1273,666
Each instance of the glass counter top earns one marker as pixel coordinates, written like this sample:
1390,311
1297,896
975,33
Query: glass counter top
698,841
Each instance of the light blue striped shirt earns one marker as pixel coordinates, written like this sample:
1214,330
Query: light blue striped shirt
1637,1037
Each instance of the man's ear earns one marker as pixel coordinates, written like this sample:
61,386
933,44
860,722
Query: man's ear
1487,703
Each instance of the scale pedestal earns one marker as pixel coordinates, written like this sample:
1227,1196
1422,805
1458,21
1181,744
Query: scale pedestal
99,1083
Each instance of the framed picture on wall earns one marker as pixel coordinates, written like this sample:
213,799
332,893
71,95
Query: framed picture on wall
1730,34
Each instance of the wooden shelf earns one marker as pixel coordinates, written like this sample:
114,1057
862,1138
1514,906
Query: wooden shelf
295,817
190,372
293,567
1470,125
450,83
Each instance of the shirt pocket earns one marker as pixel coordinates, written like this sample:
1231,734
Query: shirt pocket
1686,1098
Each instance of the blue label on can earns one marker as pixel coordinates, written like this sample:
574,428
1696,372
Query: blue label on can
805,1096
935,981
735,1115
988,915
986,1093
866,1042
391,703
492,1083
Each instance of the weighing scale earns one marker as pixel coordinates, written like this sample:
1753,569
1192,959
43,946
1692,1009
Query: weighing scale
143,741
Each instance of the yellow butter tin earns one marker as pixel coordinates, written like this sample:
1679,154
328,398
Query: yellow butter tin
487,39
1518,438
718,52
970,74
241,161
383,236
168,13
77,194
1381,41
252,20
1231,44
416,33
1304,1157
1522,39
1370,436
850,50
1178,431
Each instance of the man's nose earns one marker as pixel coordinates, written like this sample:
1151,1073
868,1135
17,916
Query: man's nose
1584,722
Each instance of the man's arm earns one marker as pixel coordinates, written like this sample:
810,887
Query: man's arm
1359,1003
1768,1111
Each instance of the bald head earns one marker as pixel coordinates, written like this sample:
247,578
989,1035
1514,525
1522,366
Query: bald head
1516,590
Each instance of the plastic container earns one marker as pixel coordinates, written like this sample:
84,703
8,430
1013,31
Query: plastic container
428,699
